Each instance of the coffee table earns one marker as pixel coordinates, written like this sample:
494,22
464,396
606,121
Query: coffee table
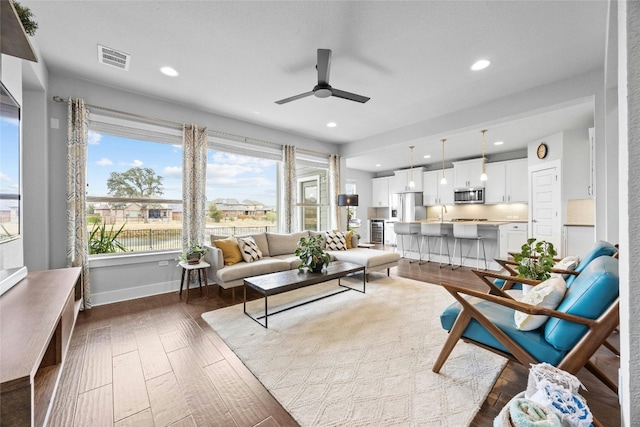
285,281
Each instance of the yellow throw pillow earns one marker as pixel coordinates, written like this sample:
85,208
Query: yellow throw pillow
230,250
349,236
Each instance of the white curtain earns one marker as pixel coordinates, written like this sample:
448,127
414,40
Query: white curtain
194,180
77,236
334,190
288,218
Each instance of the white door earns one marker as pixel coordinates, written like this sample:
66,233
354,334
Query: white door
545,207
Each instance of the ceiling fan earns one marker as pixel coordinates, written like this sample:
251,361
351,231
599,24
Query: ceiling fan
323,89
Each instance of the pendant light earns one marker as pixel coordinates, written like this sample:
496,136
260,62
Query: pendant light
483,176
411,181
443,181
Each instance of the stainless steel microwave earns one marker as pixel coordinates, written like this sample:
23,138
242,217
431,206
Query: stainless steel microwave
468,195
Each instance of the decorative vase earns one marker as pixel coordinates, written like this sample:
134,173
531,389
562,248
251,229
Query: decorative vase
193,257
317,268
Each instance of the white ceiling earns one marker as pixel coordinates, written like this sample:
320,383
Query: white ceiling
235,58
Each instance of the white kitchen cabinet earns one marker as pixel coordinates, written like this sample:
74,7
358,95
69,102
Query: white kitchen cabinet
507,182
512,237
403,177
380,192
433,192
578,239
467,173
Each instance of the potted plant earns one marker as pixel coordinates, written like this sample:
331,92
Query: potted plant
193,253
102,241
535,260
311,254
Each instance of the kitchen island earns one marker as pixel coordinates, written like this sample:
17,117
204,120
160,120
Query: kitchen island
494,242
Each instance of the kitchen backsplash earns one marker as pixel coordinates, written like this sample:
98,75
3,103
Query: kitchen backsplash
581,212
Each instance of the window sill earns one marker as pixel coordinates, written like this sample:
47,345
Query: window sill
110,260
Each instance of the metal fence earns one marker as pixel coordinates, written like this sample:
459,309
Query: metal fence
166,239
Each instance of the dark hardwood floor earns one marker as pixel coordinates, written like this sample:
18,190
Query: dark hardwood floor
155,362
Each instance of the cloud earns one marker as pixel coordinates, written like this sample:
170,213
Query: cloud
237,159
137,163
94,138
227,170
172,171
4,177
104,162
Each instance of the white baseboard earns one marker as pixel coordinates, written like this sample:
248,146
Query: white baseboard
133,293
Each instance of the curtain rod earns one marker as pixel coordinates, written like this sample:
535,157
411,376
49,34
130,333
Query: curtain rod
175,124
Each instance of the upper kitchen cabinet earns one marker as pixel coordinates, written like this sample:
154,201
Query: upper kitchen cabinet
380,191
405,176
467,173
507,182
435,193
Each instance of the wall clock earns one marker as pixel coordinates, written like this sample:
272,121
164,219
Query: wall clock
542,151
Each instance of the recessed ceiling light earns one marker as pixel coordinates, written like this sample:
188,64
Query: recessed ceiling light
480,65
498,143
168,71
378,165
256,112
427,156
332,124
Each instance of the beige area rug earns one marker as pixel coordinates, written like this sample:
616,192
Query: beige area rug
358,359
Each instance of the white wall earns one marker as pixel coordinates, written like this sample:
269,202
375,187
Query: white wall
363,186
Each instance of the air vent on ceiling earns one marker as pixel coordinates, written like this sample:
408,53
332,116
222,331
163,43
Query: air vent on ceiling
112,57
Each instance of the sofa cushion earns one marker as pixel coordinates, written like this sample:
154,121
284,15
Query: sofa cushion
230,250
243,270
293,260
367,257
347,237
591,293
599,249
502,317
249,249
547,294
566,263
336,241
261,241
284,244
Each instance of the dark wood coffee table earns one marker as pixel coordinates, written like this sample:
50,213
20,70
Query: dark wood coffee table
285,281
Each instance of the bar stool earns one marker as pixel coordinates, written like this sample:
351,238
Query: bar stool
405,229
433,230
468,232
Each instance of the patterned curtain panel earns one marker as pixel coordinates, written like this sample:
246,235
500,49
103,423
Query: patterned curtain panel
287,217
194,180
77,236
334,190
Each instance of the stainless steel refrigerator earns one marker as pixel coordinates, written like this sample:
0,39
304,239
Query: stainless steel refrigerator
410,207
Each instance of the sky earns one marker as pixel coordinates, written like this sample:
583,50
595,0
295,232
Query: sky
9,159
228,175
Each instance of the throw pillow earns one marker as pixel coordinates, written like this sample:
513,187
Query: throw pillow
547,294
230,250
567,263
336,241
249,249
348,237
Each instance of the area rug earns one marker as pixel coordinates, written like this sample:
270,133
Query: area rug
358,359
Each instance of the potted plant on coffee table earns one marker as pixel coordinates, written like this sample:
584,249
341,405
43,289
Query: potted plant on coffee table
311,254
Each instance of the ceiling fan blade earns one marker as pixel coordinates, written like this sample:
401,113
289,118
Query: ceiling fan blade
348,95
293,98
323,66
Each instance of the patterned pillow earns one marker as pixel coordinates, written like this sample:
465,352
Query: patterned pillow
249,249
336,241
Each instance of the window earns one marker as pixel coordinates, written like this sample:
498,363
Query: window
136,185
312,173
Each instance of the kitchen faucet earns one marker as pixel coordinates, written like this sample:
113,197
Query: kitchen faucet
443,210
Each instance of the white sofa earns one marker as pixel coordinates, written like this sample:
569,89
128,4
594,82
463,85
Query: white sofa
278,251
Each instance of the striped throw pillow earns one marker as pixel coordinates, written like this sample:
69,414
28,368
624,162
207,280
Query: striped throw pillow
249,249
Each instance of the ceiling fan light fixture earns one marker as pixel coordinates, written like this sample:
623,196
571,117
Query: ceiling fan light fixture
480,64
322,93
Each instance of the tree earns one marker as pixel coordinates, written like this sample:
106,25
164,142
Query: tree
215,213
135,183
271,216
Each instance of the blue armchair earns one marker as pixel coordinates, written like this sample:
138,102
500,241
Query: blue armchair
584,319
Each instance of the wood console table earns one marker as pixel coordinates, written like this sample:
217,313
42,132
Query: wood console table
36,321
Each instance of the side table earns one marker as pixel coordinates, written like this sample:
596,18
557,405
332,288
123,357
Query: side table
200,269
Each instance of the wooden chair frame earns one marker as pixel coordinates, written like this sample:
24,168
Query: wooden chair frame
579,356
